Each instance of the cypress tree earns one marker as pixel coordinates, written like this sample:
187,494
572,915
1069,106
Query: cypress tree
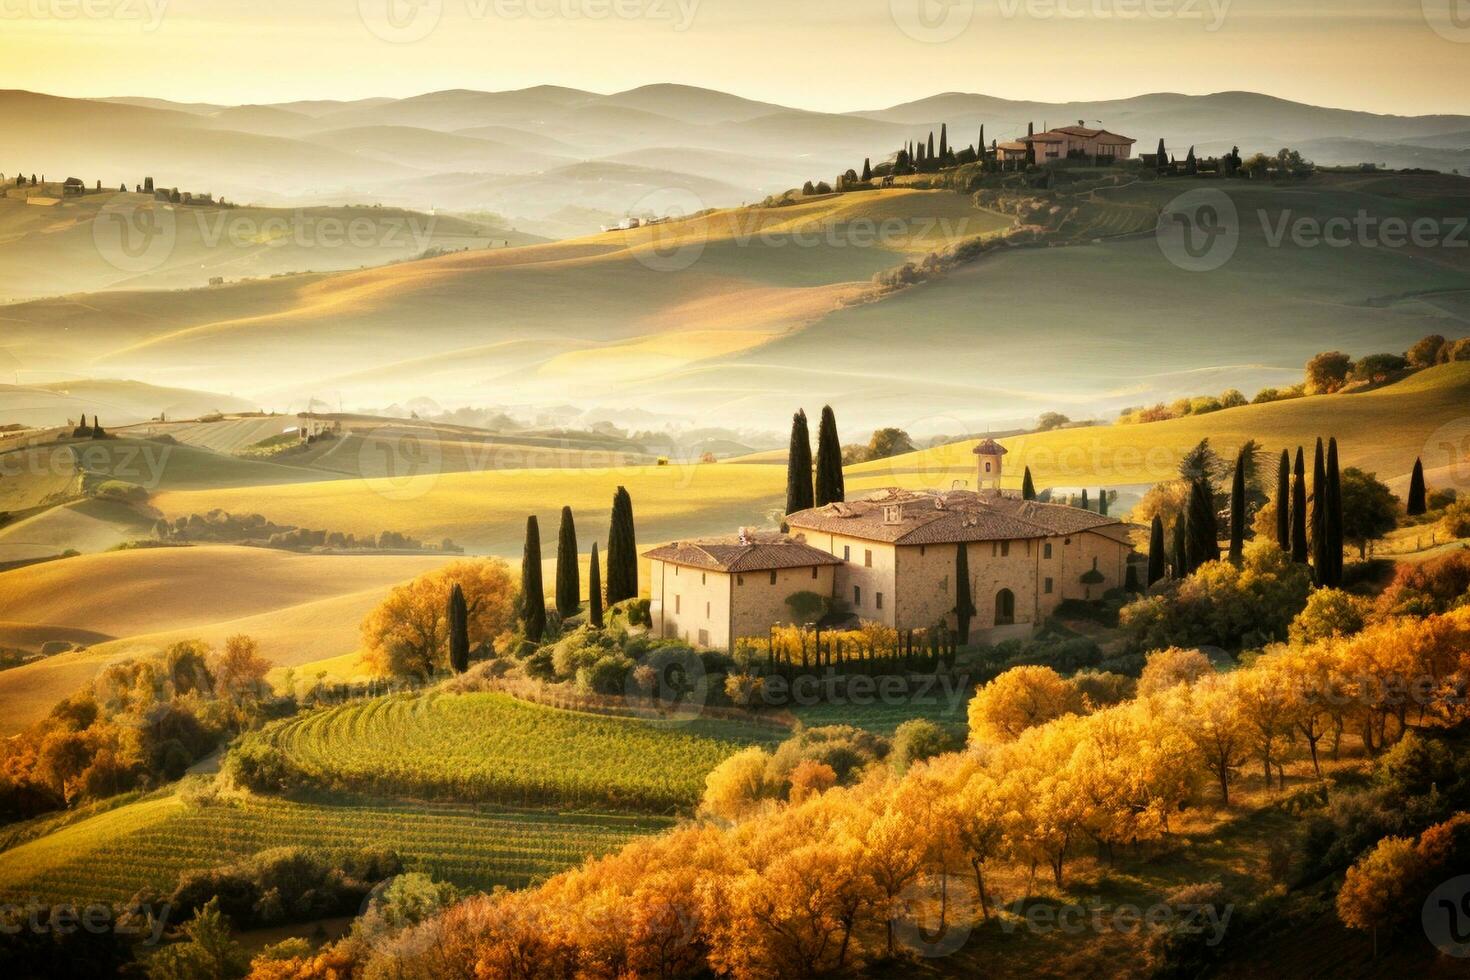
799,493
980,147
1181,556
622,551
964,601
97,432
867,169
943,142
1283,502
1156,560
831,486
1237,511
1202,544
1085,504
533,594
1321,547
1299,510
1334,516
1028,489
1102,501
1417,503
1163,158
459,631
929,152
594,591
568,575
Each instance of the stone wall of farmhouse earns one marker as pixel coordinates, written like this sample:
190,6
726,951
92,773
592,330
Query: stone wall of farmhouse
927,587
865,581
713,609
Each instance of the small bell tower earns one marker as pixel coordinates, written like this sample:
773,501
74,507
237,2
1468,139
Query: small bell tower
990,455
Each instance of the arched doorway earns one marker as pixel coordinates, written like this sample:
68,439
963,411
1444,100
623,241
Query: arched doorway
1005,608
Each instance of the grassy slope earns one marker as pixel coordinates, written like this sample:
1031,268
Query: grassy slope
1382,431
110,856
300,607
494,748
471,316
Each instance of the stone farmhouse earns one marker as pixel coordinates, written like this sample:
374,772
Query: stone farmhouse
1069,141
891,557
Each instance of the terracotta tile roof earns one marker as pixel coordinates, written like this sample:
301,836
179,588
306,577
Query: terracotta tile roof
990,448
752,553
908,517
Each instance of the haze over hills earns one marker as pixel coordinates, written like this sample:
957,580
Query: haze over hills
463,149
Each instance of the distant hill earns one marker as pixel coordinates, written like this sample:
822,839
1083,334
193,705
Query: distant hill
392,150
118,402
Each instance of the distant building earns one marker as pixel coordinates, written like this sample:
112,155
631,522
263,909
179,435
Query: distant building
1069,142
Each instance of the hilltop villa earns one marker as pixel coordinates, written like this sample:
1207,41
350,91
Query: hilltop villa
1069,141
891,558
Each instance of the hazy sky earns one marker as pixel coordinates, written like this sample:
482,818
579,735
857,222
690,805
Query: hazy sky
1400,56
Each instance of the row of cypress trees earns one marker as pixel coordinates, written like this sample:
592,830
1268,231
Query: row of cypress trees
622,569
804,490
1309,528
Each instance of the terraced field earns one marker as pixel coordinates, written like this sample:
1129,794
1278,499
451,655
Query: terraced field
494,748
109,857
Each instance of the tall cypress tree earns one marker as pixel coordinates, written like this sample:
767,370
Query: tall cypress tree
594,591
1237,511
1156,560
943,142
1418,494
1102,501
964,601
622,551
1299,510
568,575
1181,553
459,631
831,486
1202,544
1163,160
1334,516
867,169
929,151
1086,504
1283,502
1028,489
1321,546
980,147
799,493
533,593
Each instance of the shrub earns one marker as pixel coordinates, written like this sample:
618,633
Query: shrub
846,749
1329,612
609,675
918,739
1167,669
1434,586
1101,689
1456,519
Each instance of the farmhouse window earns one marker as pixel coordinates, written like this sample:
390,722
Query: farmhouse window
704,638
1005,549
868,558
703,579
857,596
1046,550
878,600
1048,586
773,576
814,571
847,552
678,604
706,610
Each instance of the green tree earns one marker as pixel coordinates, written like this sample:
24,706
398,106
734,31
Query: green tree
1237,511
594,591
1334,516
1156,559
622,551
1028,489
1299,510
943,142
1426,353
964,600
1102,501
1321,542
887,443
533,594
830,484
1180,559
209,952
1369,509
1086,504
799,493
1327,372
1283,501
867,169
1202,543
1418,493
459,631
568,573
1201,463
